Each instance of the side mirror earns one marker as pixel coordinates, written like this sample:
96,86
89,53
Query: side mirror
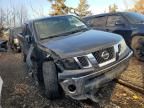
120,23
28,38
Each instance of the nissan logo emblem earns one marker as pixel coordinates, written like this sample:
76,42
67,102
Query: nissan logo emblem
105,55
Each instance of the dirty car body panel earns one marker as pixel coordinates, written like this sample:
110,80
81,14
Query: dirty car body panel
85,59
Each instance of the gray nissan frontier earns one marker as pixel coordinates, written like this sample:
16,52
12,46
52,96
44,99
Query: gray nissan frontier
67,57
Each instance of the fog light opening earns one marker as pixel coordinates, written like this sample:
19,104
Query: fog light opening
72,88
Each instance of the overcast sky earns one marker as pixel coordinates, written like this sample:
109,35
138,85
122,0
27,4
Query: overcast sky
35,7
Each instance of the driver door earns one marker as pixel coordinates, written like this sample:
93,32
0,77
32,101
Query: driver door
117,24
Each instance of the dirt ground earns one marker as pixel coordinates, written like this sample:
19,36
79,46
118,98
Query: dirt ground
19,90
134,73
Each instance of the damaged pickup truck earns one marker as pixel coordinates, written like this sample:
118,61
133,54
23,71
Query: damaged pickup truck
65,56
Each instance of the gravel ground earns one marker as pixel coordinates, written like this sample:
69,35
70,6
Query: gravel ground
19,90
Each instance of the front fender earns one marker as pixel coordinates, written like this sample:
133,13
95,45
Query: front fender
48,52
138,31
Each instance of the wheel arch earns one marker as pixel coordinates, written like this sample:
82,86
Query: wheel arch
137,34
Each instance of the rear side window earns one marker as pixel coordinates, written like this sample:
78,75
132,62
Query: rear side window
98,21
113,19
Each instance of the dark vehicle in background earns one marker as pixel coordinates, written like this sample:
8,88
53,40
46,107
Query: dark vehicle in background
128,24
66,56
13,40
3,45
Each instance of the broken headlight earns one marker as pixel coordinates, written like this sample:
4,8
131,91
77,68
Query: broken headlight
122,47
70,64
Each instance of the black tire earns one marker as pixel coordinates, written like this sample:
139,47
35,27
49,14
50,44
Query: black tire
138,47
50,76
17,50
38,75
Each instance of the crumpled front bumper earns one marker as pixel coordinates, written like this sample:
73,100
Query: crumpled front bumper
84,86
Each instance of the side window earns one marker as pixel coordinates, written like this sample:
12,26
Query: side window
113,19
98,22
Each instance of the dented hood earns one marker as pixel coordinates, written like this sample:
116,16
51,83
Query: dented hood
80,43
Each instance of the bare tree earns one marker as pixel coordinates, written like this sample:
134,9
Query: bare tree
22,15
12,17
36,12
2,19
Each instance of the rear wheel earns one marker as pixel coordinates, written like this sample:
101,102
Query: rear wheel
50,77
138,47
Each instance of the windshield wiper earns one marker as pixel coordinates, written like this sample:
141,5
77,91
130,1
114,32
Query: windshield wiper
67,33
50,37
75,31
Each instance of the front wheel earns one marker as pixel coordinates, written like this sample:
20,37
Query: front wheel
138,47
50,76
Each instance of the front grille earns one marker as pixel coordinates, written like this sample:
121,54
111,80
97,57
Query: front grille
104,55
83,61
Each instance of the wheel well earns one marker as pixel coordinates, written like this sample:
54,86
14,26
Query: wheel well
134,36
57,65
136,40
40,65
137,35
